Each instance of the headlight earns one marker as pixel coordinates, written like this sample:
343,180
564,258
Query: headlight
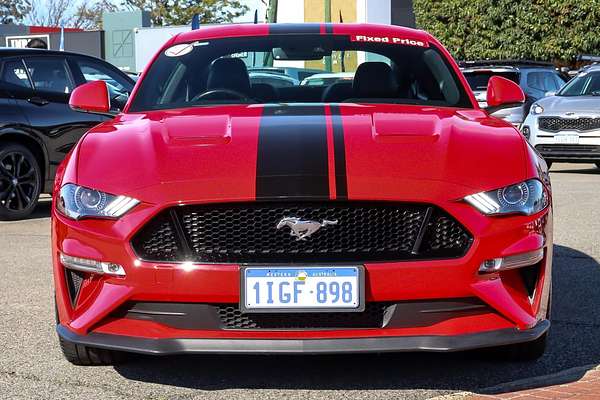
536,109
527,198
80,202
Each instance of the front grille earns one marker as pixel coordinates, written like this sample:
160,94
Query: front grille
567,148
557,124
372,317
246,233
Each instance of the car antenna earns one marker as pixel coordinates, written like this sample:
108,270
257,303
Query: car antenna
343,54
256,16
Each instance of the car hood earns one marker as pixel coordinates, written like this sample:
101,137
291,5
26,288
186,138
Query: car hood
577,104
235,153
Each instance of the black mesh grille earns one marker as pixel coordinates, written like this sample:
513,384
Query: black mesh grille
556,124
246,233
74,281
157,240
372,317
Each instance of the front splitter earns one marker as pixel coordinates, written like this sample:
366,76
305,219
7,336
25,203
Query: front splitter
431,343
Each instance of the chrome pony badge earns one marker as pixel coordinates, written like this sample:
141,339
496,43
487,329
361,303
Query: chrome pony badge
302,229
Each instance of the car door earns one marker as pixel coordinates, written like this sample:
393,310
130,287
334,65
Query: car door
86,69
47,106
13,78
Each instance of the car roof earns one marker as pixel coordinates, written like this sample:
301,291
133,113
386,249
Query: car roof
503,65
14,52
275,75
241,30
331,75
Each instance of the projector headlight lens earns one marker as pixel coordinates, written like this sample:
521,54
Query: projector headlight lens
526,198
78,202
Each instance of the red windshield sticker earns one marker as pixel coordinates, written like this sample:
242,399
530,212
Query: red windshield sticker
388,39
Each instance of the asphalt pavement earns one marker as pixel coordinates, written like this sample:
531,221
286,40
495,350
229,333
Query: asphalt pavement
32,367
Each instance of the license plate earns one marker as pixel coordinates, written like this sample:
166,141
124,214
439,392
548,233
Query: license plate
286,289
566,139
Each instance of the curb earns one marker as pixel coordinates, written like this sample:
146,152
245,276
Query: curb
558,378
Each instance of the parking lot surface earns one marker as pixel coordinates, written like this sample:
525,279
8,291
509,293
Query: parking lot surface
31,365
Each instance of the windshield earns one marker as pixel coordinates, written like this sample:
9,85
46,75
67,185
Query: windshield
585,84
478,80
216,72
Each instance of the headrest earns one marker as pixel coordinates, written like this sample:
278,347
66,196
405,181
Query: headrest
228,73
337,92
374,80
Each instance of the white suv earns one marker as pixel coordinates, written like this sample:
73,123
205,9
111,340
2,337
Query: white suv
566,127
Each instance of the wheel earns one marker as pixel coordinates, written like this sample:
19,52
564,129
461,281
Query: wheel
20,182
598,165
78,354
549,164
82,355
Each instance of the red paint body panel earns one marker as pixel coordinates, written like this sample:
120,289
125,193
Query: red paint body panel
399,153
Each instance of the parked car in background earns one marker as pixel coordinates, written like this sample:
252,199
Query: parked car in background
566,127
327,79
535,78
293,72
275,80
37,127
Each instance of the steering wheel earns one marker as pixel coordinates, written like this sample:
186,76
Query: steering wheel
227,92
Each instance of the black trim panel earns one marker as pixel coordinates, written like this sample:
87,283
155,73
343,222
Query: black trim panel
307,346
292,153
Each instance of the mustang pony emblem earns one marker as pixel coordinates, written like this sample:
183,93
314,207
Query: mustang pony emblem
301,229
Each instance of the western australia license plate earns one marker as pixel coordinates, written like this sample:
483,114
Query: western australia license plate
285,289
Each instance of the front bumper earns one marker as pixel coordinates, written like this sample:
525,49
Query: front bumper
548,144
513,313
307,346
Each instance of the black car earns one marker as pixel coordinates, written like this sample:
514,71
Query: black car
37,127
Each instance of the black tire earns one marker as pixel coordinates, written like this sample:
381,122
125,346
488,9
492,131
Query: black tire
598,165
82,355
549,164
89,356
20,182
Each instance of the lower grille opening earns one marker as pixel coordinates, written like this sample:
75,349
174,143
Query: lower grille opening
74,282
530,276
372,317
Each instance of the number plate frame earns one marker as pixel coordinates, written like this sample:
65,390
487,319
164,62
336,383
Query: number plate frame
568,138
361,291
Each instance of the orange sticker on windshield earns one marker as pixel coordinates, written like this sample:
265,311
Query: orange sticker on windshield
388,39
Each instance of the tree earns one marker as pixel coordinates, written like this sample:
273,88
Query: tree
550,30
89,15
180,12
86,14
12,11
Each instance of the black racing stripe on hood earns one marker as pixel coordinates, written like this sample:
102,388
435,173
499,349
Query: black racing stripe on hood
287,28
339,153
292,153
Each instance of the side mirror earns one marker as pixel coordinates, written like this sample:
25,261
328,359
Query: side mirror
91,97
502,91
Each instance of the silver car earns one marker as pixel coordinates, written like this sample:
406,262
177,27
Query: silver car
565,127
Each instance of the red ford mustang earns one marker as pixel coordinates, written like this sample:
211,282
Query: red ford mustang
386,212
